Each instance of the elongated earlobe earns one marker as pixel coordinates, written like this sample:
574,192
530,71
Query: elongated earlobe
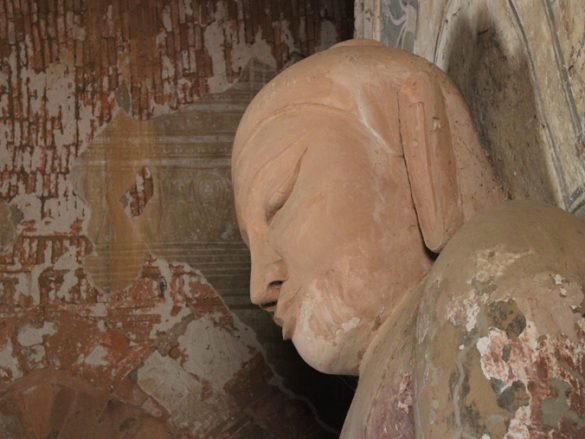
430,161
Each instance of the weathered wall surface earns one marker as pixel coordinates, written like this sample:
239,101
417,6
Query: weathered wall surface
163,358
116,122
520,67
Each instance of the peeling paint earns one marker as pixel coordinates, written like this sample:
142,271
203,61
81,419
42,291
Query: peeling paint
490,265
67,71
9,368
97,357
29,335
514,326
134,199
529,363
213,353
181,395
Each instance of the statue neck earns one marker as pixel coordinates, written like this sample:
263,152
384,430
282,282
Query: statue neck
395,333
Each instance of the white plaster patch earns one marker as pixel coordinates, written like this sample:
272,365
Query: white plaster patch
492,263
36,354
466,311
67,263
60,212
29,205
522,356
349,325
8,363
152,408
518,427
581,324
97,357
330,339
166,19
23,287
29,335
181,395
187,7
99,310
213,352
164,309
551,307
59,88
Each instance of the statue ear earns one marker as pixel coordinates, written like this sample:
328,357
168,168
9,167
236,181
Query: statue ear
430,161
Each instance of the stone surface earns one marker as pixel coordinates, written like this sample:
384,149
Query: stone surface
520,68
164,353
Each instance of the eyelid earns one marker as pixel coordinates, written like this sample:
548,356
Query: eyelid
280,196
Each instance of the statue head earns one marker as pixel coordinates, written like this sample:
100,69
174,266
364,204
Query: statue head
350,169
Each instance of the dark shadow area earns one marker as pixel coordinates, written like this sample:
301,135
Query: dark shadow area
499,90
330,395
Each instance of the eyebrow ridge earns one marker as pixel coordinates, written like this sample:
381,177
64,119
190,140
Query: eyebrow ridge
276,158
269,162
288,184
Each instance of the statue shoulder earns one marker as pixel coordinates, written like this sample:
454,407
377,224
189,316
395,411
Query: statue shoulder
500,326
516,239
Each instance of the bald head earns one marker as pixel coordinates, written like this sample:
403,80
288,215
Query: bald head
359,78
327,161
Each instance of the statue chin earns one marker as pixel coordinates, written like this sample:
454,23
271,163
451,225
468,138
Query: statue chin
321,355
338,355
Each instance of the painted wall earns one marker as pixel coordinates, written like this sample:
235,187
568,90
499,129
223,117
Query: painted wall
116,123
520,66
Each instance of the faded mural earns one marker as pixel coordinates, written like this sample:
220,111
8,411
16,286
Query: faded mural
399,20
520,67
116,124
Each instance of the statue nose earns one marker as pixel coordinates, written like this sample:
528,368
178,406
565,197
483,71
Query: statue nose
266,282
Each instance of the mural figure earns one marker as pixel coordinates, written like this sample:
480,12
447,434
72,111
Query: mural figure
384,246
399,29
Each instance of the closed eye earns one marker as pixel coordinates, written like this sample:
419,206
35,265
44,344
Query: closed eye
281,195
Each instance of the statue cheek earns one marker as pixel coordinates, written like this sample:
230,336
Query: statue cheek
325,308
355,284
328,334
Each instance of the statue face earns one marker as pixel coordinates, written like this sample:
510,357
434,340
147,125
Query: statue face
326,210
324,200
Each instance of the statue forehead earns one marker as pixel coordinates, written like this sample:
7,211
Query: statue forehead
358,78
288,134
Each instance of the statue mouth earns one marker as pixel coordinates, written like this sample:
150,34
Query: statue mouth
283,308
273,290
269,307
